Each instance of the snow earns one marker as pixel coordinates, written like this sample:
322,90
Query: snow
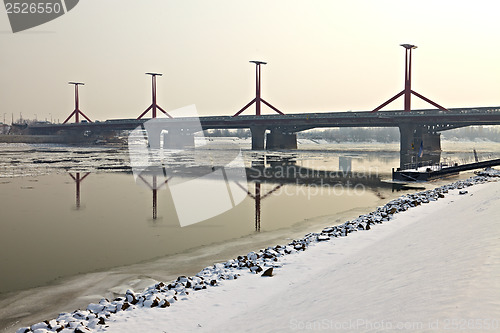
433,267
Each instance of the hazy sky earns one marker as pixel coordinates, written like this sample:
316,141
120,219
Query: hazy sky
322,56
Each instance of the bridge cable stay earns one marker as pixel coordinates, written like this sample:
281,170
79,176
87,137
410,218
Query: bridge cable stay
407,90
257,98
77,112
154,105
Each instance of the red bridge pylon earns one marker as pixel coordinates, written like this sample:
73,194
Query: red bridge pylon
257,98
407,90
77,111
153,105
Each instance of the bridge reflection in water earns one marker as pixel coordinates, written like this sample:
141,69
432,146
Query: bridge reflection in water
270,174
258,197
78,180
271,170
154,186
280,171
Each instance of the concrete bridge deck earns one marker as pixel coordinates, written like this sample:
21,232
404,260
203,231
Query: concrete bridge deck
302,121
418,128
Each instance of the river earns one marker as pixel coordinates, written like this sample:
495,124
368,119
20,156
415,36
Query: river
78,223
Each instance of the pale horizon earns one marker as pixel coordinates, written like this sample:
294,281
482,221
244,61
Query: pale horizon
321,56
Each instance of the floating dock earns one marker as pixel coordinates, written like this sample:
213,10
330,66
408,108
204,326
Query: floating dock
430,173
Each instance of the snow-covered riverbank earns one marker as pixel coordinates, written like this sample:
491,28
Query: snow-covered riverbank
434,267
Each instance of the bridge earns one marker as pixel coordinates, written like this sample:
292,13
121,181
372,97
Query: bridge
418,128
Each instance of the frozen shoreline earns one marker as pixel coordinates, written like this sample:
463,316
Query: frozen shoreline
297,270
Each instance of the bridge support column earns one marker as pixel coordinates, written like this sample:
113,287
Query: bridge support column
154,137
411,137
432,148
432,141
279,140
178,139
406,147
258,137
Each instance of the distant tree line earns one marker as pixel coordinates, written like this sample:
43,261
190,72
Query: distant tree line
353,134
391,134
472,133
371,134
240,133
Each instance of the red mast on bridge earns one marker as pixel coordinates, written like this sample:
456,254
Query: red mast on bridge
77,111
257,98
153,105
407,90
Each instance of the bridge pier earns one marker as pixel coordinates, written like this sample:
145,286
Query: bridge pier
279,139
406,137
258,137
154,137
432,141
411,137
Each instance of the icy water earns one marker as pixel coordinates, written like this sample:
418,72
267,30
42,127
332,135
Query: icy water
69,213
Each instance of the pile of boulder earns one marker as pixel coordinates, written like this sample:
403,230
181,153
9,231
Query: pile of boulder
263,262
